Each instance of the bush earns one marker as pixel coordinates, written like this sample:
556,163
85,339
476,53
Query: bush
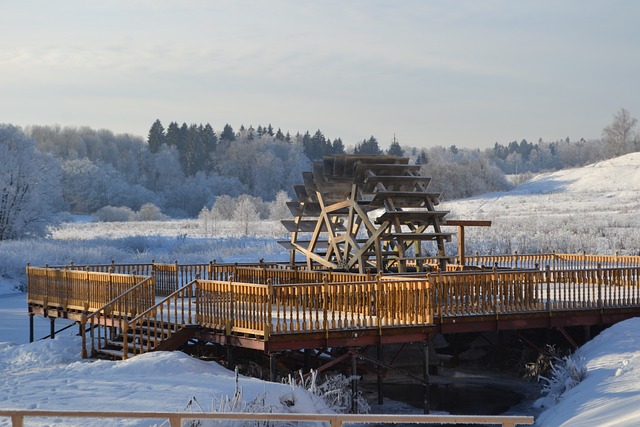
150,212
565,373
115,214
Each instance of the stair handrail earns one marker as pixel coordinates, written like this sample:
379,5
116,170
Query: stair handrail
106,311
180,296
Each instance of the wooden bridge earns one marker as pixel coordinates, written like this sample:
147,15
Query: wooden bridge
126,310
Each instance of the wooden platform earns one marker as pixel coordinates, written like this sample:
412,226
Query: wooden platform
274,309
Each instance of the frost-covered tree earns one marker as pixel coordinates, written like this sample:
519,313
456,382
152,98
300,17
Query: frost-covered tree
278,209
224,207
619,137
245,215
29,186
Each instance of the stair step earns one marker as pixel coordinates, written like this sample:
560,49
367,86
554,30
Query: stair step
114,353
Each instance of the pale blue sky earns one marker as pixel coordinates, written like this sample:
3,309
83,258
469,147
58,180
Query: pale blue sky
468,73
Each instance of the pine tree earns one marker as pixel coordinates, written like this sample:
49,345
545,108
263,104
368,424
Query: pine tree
209,142
338,146
156,136
227,134
422,158
395,149
369,146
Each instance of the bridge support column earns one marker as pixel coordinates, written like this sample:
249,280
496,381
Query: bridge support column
354,382
31,327
52,327
425,375
273,367
307,360
230,361
380,357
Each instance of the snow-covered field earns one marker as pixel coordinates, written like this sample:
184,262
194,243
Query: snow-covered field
592,209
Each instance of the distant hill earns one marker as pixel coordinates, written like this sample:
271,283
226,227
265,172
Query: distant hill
593,208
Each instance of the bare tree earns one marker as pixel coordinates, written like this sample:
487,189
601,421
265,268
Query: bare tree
246,214
29,186
619,137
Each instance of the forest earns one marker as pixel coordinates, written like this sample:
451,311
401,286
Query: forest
182,170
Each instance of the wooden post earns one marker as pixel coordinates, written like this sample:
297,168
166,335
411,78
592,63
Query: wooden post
354,382
31,327
425,375
461,253
273,367
380,356
307,360
52,327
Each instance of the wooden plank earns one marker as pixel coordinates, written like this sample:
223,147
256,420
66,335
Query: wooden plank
411,216
415,236
379,169
405,198
307,226
301,193
309,184
395,183
467,223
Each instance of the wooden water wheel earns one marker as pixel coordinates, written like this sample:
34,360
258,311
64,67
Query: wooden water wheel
366,212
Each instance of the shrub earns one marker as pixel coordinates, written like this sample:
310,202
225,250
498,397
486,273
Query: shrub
115,214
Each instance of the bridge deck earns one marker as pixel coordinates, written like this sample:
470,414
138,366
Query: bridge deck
348,310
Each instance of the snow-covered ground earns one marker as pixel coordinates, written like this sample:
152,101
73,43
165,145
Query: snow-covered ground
592,209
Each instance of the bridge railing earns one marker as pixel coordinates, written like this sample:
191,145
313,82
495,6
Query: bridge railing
74,289
555,261
333,420
506,292
113,317
278,309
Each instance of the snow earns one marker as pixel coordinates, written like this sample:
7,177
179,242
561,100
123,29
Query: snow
50,374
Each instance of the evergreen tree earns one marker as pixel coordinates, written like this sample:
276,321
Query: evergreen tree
368,146
395,149
156,136
227,134
195,153
422,158
337,146
279,135
312,146
209,142
173,135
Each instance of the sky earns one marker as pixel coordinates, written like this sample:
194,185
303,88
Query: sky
462,73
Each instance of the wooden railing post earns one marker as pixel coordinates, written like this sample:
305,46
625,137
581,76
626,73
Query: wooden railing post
548,280
83,325
599,281
125,339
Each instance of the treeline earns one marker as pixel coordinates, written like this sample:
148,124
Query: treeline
182,169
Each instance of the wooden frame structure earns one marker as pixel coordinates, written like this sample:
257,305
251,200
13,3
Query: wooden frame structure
368,213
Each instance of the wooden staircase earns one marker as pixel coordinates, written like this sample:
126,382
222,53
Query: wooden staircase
118,333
